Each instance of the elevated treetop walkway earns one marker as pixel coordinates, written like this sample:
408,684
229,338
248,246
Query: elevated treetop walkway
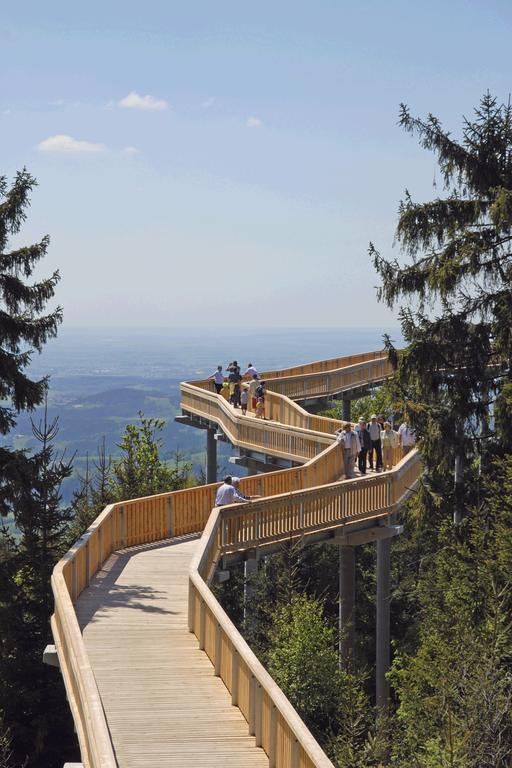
133,591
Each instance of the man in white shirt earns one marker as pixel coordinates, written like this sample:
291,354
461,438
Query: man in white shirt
351,447
251,371
406,437
229,492
218,379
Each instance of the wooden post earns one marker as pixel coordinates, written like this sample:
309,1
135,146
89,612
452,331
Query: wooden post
122,526
272,748
218,649
170,517
235,663
202,623
257,713
252,705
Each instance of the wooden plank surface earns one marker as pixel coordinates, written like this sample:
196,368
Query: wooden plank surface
163,704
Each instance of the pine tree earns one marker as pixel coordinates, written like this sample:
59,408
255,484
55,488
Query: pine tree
31,694
141,471
457,287
23,326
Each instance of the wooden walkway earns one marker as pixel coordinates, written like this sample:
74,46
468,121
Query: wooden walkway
163,704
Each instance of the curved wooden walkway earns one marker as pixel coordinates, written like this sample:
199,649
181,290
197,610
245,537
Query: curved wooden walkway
163,705
132,596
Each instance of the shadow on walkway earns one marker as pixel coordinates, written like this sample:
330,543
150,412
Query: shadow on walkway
104,593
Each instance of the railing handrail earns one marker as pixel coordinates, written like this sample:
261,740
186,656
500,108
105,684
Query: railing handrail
334,362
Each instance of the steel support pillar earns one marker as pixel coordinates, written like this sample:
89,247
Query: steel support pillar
347,589
346,409
383,629
211,456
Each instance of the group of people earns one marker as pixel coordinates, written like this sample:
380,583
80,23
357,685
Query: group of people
372,444
232,387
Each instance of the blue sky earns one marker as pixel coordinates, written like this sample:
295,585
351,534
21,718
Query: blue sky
212,163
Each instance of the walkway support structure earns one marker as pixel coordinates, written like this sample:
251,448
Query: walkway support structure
347,589
211,456
382,660
308,502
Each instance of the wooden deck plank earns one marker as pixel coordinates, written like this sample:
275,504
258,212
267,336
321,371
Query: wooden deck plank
163,704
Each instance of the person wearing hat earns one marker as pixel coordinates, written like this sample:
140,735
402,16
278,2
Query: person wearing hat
365,444
374,430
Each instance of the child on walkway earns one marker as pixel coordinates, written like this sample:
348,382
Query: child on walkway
244,397
260,408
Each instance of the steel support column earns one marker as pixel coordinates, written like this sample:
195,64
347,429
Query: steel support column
383,628
347,589
211,456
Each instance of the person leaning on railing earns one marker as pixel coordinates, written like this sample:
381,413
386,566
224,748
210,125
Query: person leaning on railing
229,493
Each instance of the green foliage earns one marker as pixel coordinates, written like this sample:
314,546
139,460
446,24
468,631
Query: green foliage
455,687
35,716
457,317
141,471
31,694
22,325
303,661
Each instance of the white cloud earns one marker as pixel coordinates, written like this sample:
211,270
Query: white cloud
6,112
67,144
208,103
131,151
254,122
147,103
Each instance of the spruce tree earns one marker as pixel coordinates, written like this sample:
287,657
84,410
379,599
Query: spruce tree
456,289
31,695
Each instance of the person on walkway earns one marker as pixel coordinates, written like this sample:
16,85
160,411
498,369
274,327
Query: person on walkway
389,440
261,391
253,386
260,408
232,366
244,397
218,379
234,379
406,437
365,444
251,371
348,438
226,493
374,430
239,496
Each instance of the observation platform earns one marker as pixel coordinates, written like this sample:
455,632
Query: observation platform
156,674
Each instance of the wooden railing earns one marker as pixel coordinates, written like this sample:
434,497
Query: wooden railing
313,385
321,366
307,496
274,723
297,444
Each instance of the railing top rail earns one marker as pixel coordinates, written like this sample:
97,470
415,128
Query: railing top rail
336,362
